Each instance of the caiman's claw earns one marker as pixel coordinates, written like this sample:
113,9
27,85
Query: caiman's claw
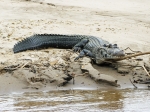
76,58
76,49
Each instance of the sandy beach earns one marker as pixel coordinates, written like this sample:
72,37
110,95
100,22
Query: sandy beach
124,22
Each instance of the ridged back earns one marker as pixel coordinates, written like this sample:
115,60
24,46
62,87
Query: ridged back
47,40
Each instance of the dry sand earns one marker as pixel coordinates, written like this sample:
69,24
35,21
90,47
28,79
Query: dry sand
123,22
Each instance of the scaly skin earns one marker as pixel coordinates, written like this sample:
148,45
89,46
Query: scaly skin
94,47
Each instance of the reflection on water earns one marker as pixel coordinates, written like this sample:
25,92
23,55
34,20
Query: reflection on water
78,100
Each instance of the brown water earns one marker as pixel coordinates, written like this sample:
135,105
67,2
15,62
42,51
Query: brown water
78,100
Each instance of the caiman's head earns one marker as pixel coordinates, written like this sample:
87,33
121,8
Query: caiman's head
108,52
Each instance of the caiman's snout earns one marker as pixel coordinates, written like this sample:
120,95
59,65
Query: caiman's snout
114,50
118,53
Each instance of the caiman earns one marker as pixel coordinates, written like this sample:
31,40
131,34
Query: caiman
94,47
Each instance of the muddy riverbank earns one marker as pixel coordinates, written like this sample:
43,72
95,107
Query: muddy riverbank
125,23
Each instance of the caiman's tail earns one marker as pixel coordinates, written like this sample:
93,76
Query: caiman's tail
47,40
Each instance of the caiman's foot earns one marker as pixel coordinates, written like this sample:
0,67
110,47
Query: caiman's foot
78,47
83,53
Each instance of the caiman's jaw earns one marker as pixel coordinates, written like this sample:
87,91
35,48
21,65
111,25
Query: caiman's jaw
108,52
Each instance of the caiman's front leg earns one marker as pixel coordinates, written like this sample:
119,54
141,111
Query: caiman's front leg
83,53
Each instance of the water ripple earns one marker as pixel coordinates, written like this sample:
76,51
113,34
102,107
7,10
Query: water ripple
77,100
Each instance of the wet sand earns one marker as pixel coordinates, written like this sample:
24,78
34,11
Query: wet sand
123,22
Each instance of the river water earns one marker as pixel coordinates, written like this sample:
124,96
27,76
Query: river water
127,100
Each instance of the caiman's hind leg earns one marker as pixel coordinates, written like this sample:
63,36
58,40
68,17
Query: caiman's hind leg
83,53
79,46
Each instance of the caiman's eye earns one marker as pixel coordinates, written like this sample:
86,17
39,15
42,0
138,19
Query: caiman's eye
110,46
115,45
101,52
